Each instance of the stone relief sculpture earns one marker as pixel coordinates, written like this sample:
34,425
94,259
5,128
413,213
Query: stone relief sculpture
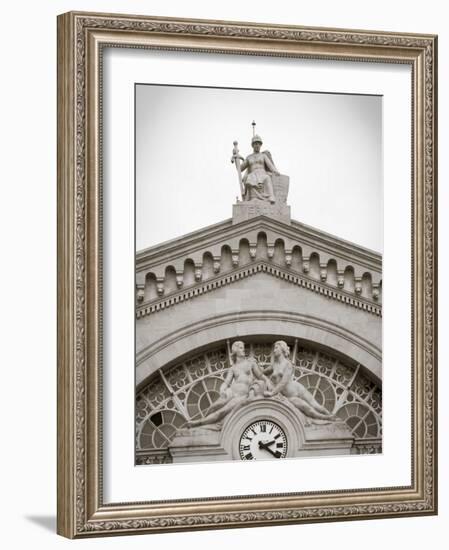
256,184
282,382
246,381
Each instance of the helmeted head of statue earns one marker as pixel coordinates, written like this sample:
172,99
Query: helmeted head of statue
256,139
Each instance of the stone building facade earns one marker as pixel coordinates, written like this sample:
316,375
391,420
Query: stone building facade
258,277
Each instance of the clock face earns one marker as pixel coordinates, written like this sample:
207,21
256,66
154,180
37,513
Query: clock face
263,440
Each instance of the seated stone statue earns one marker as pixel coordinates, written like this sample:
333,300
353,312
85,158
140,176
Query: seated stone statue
244,381
281,378
257,180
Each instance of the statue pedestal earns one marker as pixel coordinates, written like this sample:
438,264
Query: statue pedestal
245,210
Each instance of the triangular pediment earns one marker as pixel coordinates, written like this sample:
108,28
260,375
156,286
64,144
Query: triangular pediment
228,233
224,248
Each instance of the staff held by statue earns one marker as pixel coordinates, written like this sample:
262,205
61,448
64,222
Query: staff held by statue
236,158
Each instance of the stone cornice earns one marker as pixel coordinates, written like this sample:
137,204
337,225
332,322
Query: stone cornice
335,245
186,242
298,232
199,256
199,289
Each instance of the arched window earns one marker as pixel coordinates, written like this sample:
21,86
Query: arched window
185,391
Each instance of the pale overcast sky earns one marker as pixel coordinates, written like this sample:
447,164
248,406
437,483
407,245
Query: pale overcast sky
329,144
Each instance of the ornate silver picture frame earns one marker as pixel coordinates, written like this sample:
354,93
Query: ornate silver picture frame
83,360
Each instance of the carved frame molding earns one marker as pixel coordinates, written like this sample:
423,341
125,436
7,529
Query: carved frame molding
81,37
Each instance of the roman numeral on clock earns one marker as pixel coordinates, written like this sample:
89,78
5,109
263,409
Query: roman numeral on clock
263,439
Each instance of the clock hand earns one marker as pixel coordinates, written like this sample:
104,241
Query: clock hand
265,446
266,443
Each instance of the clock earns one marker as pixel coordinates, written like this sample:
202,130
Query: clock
263,440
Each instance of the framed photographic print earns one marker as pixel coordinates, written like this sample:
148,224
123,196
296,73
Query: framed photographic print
247,274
